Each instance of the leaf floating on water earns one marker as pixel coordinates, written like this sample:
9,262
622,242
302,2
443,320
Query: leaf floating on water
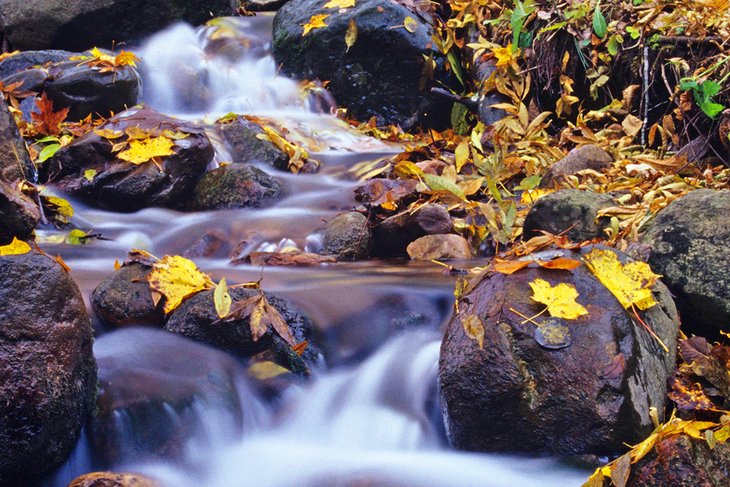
340,4
16,247
410,24
553,334
351,34
560,299
141,151
222,299
315,22
77,237
176,278
266,370
474,328
630,283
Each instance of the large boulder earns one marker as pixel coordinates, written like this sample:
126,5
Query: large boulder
18,214
196,318
387,72
15,162
235,186
571,212
124,298
81,87
576,386
125,186
158,391
689,244
81,24
47,369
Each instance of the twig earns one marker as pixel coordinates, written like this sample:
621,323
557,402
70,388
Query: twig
646,327
464,100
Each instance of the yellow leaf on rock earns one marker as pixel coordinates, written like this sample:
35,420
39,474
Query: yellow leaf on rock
176,278
126,58
340,4
474,328
16,247
351,34
141,151
315,22
630,283
410,24
560,299
222,299
266,370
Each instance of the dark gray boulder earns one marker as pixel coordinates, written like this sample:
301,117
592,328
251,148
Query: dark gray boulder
47,369
32,59
18,214
124,298
689,244
15,162
123,186
388,71
235,186
572,211
241,137
588,391
348,236
77,25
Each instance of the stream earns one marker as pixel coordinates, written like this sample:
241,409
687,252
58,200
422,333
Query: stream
369,416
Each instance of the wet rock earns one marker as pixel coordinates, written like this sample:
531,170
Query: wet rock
124,298
392,235
348,236
18,214
690,248
197,319
124,186
77,24
680,461
47,369
438,247
235,186
376,191
591,396
572,211
158,391
395,88
245,147
578,159
15,162
112,479
30,59
263,5
82,88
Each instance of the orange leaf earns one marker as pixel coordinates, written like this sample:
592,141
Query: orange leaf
509,266
562,263
46,121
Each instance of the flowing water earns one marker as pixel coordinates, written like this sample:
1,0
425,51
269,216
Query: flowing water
370,414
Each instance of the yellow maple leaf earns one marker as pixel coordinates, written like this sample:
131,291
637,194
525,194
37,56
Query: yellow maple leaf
16,247
630,283
559,299
315,22
126,58
506,56
141,151
340,4
176,278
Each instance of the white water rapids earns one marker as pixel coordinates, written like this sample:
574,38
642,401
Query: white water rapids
369,419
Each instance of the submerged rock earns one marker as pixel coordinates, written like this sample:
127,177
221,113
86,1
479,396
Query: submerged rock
158,391
388,70
348,236
47,369
196,318
572,211
124,186
392,236
18,214
590,393
235,186
690,248
79,24
124,298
